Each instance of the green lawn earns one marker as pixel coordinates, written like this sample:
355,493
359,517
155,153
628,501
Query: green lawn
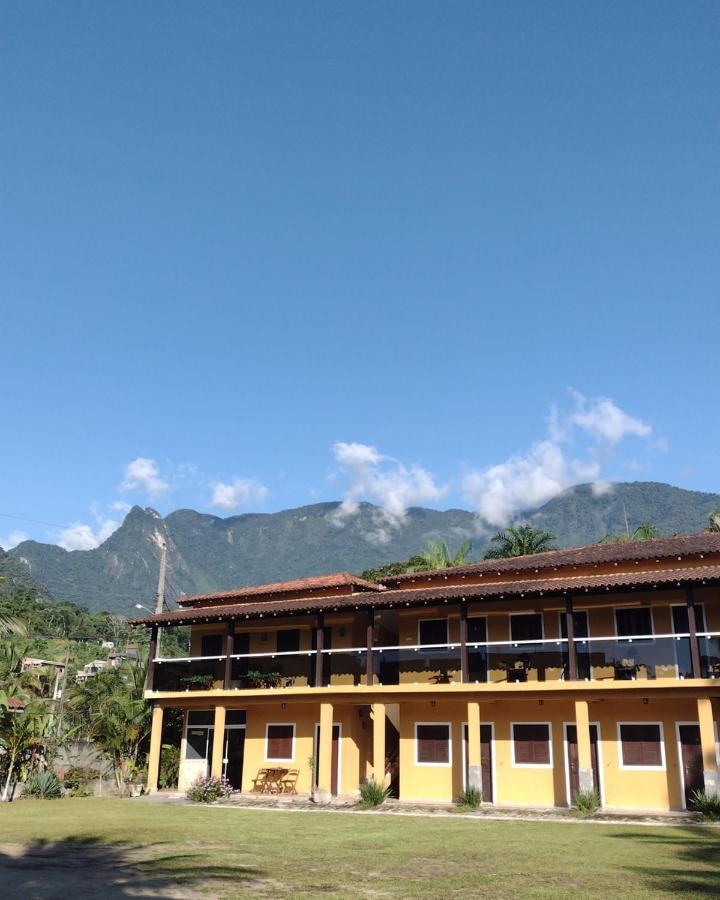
112,848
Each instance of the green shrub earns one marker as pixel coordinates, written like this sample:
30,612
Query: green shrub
43,785
81,789
79,775
708,805
208,790
372,793
169,766
470,798
585,803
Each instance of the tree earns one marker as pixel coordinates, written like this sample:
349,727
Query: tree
714,521
521,540
644,532
437,556
110,710
24,733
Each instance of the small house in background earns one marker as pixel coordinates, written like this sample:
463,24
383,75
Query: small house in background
50,671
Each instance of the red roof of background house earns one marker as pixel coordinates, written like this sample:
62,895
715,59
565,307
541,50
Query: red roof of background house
298,585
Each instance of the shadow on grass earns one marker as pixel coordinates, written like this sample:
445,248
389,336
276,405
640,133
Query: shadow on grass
692,854
86,867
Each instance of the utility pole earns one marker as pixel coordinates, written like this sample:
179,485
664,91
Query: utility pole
160,599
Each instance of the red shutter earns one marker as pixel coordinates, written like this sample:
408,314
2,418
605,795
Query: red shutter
433,744
280,741
532,744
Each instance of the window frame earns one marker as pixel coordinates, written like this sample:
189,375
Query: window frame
527,612
521,765
434,619
434,765
621,638
630,768
268,726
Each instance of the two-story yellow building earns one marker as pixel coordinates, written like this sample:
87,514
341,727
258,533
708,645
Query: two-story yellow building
531,678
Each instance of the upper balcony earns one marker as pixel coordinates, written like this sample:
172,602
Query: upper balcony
631,658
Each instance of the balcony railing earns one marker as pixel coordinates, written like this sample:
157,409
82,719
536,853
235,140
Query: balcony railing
630,658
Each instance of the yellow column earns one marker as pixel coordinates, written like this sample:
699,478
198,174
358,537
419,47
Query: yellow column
218,752
155,748
378,715
582,725
324,786
474,761
707,743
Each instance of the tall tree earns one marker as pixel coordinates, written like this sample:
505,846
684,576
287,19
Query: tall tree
521,540
644,532
714,521
437,555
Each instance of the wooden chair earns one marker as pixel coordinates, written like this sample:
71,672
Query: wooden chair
260,781
275,780
289,781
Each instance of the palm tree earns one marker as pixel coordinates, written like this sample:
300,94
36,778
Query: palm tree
521,540
23,731
437,556
713,522
9,625
644,532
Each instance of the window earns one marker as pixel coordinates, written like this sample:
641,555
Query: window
531,744
526,627
288,641
235,717
580,624
641,746
432,744
201,717
633,620
280,742
198,737
433,631
211,645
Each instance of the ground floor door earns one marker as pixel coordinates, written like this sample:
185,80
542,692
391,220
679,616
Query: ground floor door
573,767
234,754
486,760
335,764
691,761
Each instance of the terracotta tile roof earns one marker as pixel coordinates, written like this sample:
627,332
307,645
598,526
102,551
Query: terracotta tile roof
621,551
491,591
317,582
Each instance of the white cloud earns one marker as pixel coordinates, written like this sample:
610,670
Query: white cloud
142,474
13,539
121,506
527,480
240,492
79,536
385,481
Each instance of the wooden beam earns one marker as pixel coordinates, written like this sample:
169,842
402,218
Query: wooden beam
570,631
369,669
152,653
319,645
229,650
464,659
692,630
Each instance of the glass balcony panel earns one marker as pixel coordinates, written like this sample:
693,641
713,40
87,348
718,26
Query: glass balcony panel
273,670
709,655
632,659
516,662
189,675
345,667
422,665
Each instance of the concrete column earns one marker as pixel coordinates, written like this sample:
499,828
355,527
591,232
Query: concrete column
378,715
323,792
707,742
155,748
582,725
218,751
474,760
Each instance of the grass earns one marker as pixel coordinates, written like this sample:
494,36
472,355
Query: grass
124,847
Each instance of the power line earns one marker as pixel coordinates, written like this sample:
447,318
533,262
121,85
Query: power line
26,519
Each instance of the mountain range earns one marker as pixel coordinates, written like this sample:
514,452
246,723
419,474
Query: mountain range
208,553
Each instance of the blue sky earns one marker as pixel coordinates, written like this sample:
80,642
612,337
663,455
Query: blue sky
454,254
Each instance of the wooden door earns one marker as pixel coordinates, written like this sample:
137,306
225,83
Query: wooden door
486,760
572,759
234,755
691,759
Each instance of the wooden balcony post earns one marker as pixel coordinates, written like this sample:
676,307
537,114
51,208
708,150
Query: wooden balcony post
229,650
570,631
319,645
152,653
692,630
153,770
464,660
369,669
